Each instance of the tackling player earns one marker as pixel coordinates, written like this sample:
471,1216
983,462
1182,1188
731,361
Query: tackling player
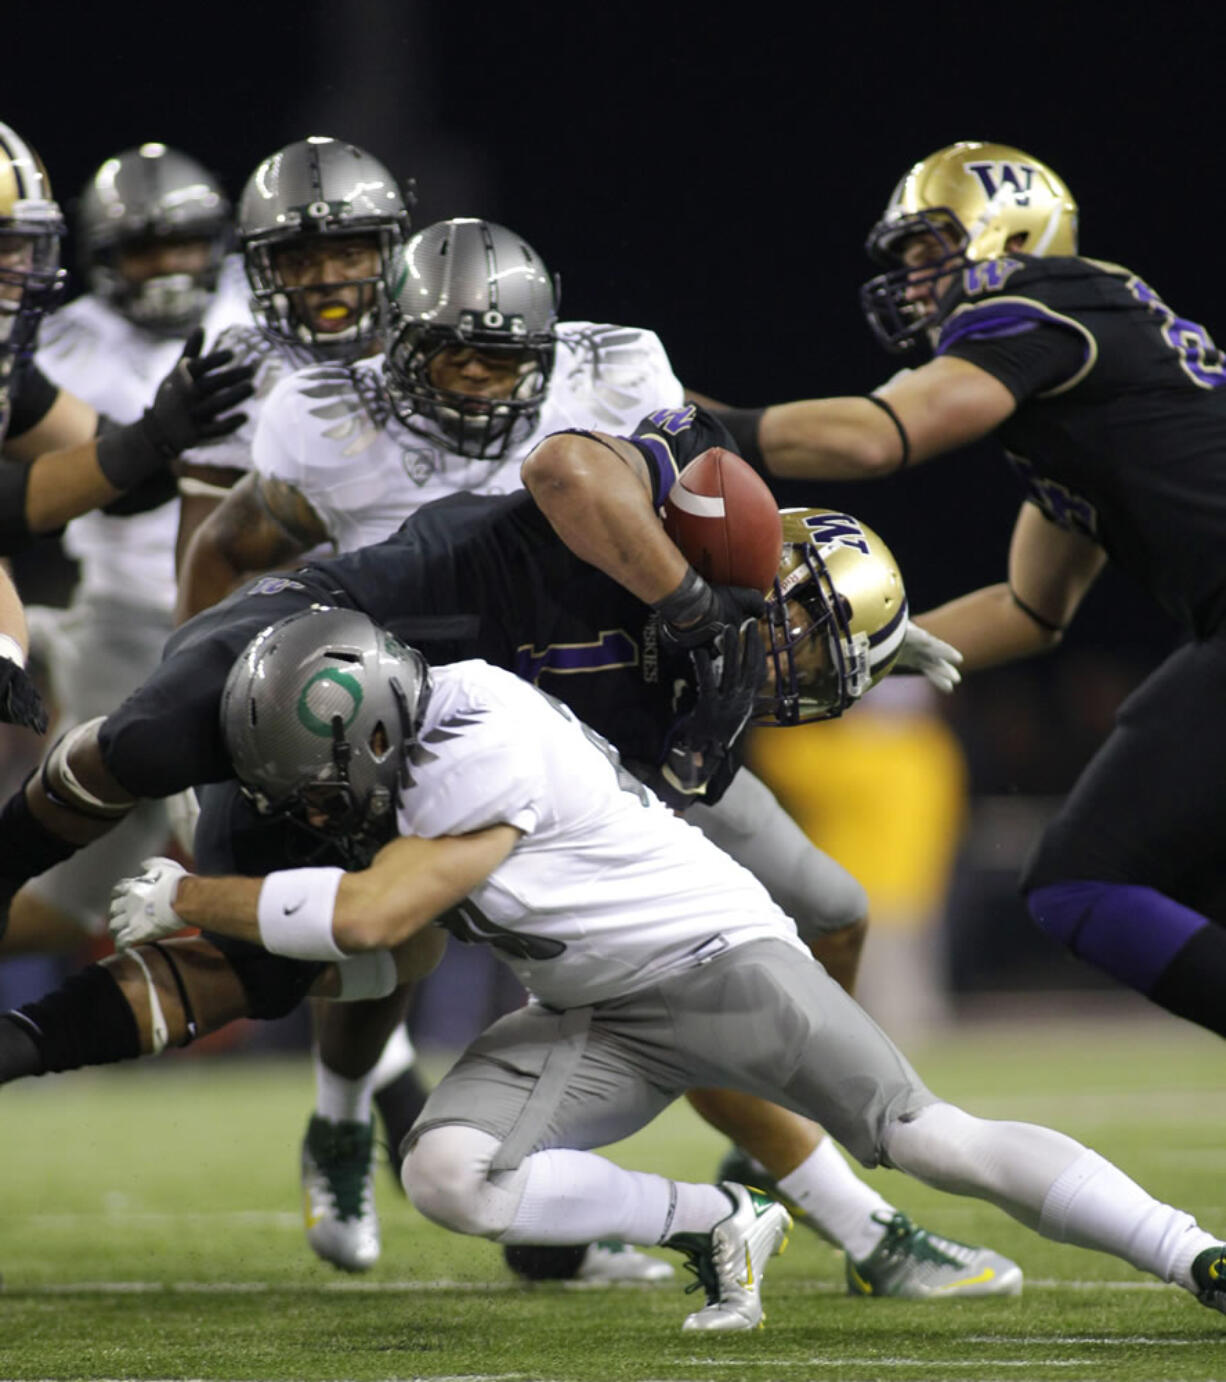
1113,412
476,373
466,576
654,962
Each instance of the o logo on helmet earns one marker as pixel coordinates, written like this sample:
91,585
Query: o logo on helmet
318,211
318,696
492,318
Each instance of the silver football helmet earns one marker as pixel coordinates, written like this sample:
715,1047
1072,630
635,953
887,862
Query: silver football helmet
148,196
31,228
314,188
835,620
470,285
319,714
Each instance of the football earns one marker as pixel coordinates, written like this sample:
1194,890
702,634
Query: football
722,515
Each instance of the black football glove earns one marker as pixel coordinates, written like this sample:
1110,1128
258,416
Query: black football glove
727,675
696,612
20,703
194,403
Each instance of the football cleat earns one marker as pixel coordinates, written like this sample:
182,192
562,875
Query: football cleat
729,1261
912,1264
338,1188
1209,1273
609,1261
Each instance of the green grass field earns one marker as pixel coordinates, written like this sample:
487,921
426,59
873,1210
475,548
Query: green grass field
149,1228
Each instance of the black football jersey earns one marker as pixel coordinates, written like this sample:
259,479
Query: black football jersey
477,576
1120,429
468,576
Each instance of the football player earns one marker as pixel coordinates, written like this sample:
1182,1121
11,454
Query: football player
153,227
343,452
466,576
1112,411
477,371
653,960
70,458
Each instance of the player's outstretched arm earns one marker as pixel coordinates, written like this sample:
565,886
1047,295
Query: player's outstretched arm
928,411
261,523
1050,571
314,913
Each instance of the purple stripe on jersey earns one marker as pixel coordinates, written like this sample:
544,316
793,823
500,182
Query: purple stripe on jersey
615,649
996,320
662,463
1131,932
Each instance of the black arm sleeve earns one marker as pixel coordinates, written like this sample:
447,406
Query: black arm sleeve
742,423
15,536
32,399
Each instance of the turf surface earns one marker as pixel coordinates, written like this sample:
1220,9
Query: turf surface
150,1228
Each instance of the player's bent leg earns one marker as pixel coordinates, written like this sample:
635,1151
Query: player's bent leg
337,1157
1056,1186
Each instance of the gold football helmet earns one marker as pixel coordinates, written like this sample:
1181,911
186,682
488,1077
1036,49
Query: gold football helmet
31,227
835,620
979,201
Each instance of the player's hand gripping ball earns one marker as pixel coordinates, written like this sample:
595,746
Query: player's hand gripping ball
723,517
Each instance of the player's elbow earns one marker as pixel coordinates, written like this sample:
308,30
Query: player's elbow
558,470
373,918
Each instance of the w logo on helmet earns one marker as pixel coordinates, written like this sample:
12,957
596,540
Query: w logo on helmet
828,529
994,176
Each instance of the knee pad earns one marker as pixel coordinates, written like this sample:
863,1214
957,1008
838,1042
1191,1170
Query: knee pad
447,1179
273,985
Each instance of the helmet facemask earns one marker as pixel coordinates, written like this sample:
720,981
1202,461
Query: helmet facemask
475,425
287,311
834,620
31,280
898,309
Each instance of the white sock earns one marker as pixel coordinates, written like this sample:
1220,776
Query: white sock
836,1202
1095,1205
398,1056
578,1197
339,1099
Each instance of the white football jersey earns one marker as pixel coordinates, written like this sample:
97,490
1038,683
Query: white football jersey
92,351
607,891
331,433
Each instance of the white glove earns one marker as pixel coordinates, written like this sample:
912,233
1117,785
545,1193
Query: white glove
936,659
142,909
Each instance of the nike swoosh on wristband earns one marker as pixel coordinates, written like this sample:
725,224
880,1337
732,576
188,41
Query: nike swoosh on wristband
289,911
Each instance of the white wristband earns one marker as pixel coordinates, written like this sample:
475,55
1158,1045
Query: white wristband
11,649
295,913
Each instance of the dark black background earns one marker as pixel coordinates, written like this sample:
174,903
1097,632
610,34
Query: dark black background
713,179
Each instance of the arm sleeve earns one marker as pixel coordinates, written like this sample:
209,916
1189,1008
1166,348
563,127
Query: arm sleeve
15,536
32,400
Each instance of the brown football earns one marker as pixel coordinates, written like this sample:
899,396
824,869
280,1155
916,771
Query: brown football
723,516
